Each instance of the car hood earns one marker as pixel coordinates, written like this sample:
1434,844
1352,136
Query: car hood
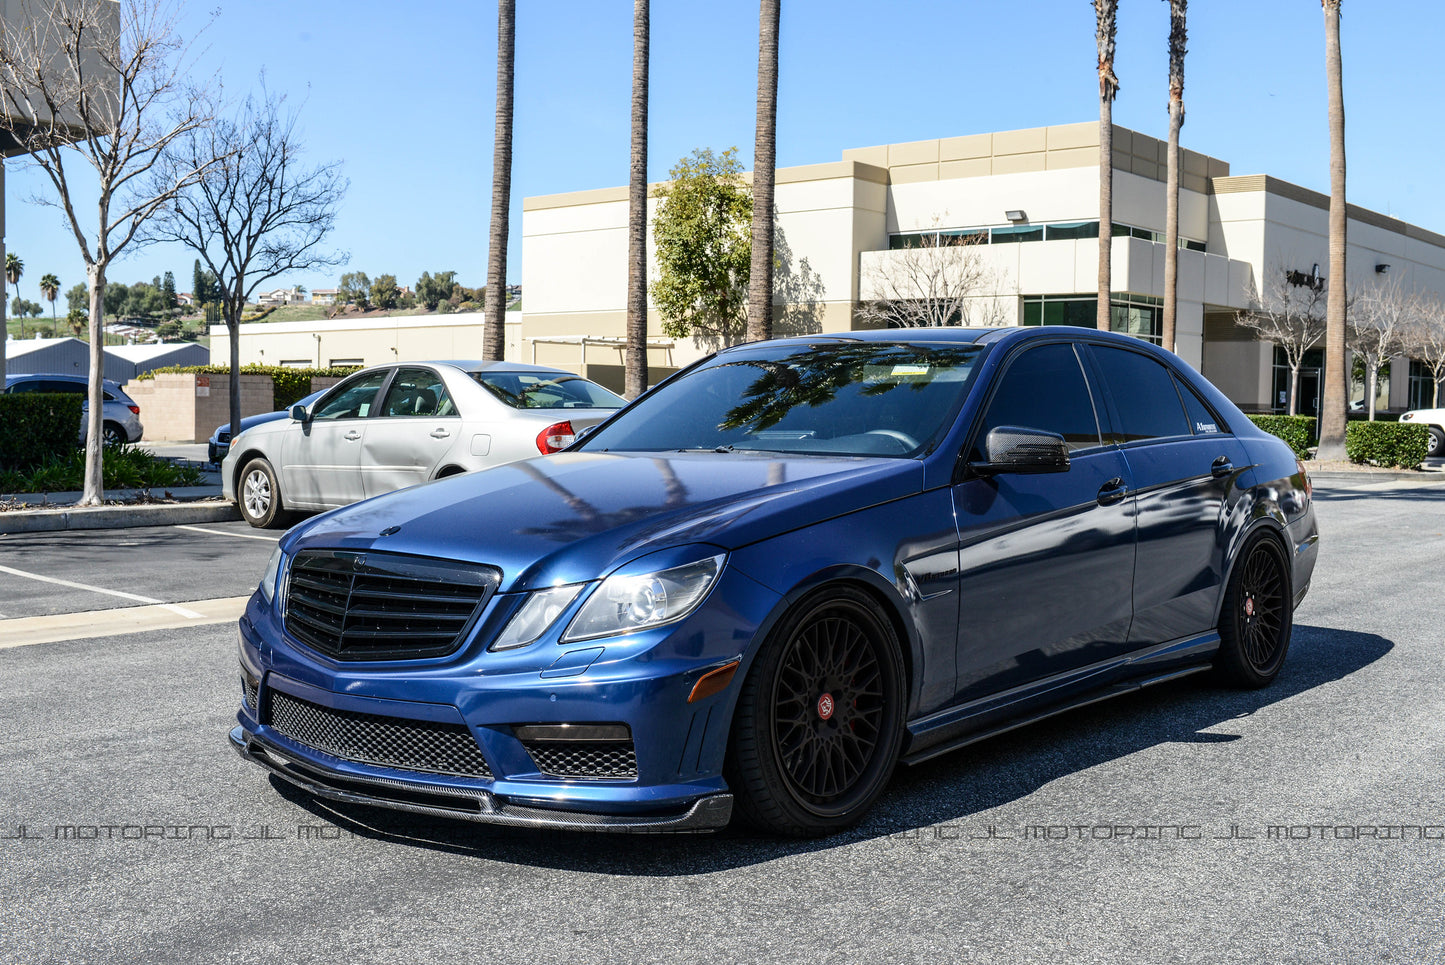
251,421
576,516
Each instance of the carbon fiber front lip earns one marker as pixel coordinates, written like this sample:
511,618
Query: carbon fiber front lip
478,805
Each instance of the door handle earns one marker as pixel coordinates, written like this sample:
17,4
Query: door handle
1112,492
439,433
1222,467
352,436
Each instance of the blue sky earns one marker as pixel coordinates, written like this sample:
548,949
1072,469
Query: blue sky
403,95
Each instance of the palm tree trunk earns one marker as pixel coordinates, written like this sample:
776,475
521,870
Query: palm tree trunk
636,354
1178,36
1332,407
494,333
1104,11
760,280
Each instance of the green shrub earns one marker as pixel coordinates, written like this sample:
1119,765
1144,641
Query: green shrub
1400,444
287,384
37,426
1298,431
123,467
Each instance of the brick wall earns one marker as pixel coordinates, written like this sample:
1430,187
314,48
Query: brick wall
183,408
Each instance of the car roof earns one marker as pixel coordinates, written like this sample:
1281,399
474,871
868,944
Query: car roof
63,376
979,336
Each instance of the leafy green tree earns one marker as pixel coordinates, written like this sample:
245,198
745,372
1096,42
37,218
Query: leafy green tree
168,289
384,291
354,288
116,295
198,283
168,330
432,290
21,307
703,236
77,298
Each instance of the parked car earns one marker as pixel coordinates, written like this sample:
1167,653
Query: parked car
1435,420
392,426
121,416
773,577
220,442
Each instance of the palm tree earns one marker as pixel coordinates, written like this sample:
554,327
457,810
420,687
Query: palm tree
765,150
50,288
494,337
14,268
1332,405
636,354
1105,28
1177,37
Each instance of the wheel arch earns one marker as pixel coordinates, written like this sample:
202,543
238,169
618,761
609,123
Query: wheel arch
1271,528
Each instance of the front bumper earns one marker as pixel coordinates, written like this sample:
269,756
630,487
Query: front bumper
474,804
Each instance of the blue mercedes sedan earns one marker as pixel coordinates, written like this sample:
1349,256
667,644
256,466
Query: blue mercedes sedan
763,585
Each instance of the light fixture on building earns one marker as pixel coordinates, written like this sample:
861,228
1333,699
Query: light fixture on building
1382,269
1016,215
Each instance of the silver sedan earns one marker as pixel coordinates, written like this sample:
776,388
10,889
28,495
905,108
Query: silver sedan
392,426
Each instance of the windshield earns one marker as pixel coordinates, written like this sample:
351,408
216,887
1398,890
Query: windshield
541,390
842,398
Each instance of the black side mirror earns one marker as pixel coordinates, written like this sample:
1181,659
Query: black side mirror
1022,450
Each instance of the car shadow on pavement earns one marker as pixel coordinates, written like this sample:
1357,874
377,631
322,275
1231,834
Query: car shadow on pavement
951,788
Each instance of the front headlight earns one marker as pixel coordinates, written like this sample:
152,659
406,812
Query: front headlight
268,579
536,615
623,604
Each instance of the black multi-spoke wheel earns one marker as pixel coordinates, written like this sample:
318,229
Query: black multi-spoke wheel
1255,623
819,719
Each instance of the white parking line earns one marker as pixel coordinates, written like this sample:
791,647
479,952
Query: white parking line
222,532
136,597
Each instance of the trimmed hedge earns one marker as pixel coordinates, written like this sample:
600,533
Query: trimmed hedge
37,427
1400,444
288,385
1298,431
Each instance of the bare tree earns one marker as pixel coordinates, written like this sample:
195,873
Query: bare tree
1105,12
945,280
1332,408
636,353
1178,37
765,152
494,318
258,213
1290,315
128,100
1377,329
1424,340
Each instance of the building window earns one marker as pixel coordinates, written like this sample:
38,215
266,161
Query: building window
1422,386
1071,232
1139,315
1000,236
1062,231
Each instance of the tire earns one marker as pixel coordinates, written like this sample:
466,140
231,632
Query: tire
819,720
1257,617
1435,448
113,434
259,496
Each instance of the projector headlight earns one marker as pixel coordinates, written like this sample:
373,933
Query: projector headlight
623,604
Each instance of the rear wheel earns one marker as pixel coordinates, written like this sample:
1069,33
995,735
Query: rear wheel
112,434
1258,615
259,496
819,719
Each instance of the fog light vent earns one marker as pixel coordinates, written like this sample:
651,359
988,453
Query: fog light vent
581,751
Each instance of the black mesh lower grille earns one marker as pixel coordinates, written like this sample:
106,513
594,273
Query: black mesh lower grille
413,745
249,688
588,759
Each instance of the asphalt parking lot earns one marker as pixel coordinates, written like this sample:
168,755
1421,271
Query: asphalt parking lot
1303,823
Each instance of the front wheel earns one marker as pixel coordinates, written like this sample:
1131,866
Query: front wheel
819,720
258,495
1435,448
1258,615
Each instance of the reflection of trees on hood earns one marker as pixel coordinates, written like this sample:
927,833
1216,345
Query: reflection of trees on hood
588,518
814,378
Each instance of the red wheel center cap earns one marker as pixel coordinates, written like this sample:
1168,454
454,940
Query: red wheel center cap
825,706
1249,606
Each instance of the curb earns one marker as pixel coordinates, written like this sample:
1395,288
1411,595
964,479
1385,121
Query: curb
1422,478
115,517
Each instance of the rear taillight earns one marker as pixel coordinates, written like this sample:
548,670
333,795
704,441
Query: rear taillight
1305,476
556,437
134,408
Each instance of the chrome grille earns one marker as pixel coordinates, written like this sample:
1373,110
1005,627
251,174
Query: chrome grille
586,759
412,745
377,606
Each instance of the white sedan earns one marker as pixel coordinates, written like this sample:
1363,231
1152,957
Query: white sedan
392,426
1435,420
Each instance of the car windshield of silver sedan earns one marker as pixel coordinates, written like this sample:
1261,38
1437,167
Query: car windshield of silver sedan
533,390
839,398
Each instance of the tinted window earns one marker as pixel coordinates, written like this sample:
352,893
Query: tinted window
1044,389
851,398
1201,420
1144,395
354,398
417,392
540,390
